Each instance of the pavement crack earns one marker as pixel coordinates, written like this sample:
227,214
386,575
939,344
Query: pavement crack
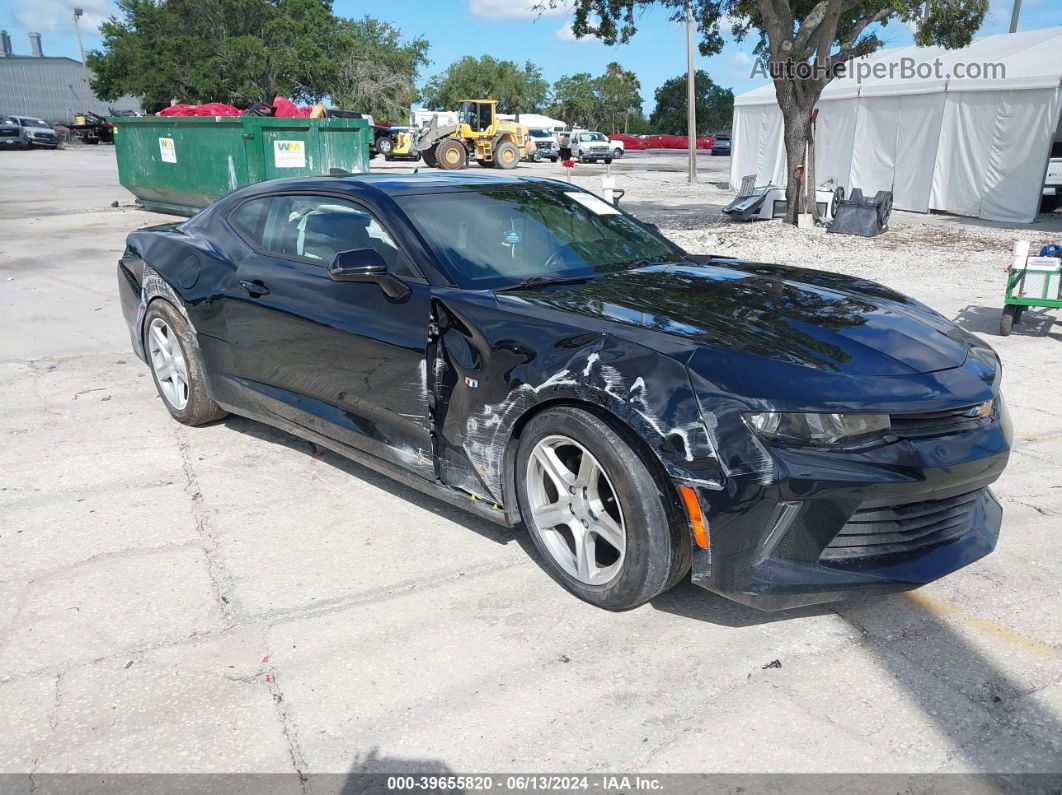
287,724
53,719
219,578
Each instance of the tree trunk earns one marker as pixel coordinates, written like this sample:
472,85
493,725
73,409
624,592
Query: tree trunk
795,136
796,102
812,179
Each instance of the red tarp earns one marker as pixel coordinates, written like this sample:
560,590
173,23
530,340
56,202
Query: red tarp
283,109
630,142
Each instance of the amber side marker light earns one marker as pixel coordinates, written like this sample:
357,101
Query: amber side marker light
697,523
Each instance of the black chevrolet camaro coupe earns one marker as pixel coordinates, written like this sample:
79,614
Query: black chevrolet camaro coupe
521,348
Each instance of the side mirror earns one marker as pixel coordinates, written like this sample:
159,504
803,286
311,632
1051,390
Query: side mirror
366,265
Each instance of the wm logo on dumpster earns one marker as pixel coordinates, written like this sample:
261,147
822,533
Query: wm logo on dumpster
289,154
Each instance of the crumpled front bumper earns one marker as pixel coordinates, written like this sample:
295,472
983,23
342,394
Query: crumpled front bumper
774,545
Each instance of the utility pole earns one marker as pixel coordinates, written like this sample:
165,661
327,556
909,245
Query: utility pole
1014,16
691,94
87,97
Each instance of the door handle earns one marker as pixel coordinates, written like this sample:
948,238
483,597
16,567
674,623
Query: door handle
255,288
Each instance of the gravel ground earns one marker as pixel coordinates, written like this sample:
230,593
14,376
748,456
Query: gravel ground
229,598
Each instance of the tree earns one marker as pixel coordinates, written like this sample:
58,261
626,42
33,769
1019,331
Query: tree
575,100
607,102
620,99
235,51
714,104
516,90
376,72
803,44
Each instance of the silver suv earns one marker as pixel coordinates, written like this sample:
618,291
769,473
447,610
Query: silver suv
12,136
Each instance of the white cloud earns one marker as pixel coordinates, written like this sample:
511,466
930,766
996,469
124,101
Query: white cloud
519,9
51,15
565,33
742,58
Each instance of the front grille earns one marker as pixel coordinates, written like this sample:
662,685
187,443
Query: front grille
937,423
905,528
9,133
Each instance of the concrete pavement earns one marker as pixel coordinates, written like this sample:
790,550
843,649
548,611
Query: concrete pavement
233,599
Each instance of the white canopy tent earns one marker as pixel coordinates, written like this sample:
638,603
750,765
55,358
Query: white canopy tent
969,146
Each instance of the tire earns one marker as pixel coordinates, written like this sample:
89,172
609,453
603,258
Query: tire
485,163
506,156
1007,320
451,155
1048,204
196,408
93,141
428,156
384,145
554,159
608,161
656,551
617,153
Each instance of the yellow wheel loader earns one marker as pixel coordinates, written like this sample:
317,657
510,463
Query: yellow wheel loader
478,135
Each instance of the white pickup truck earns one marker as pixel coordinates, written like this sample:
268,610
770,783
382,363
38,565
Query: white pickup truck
589,147
1052,197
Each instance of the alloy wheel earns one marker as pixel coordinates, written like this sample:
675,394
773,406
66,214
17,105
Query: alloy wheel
168,363
574,511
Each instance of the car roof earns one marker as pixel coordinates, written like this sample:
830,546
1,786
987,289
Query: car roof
408,184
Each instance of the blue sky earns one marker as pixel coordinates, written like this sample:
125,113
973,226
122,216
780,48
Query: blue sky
504,29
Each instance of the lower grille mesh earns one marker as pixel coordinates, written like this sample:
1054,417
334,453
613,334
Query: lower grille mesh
904,528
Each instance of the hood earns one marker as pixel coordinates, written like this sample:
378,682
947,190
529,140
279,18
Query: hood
813,319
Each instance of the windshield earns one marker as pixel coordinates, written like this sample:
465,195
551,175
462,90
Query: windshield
540,134
492,238
33,123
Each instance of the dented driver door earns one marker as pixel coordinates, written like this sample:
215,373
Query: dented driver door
342,359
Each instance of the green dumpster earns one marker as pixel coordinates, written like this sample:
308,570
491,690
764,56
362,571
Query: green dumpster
181,164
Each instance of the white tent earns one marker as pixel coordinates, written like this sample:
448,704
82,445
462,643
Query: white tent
908,120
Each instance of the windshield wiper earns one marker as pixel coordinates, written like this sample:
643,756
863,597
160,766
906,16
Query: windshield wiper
539,281
641,263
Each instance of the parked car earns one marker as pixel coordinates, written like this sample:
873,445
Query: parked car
589,147
525,350
546,145
721,145
38,132
12,135
1052,192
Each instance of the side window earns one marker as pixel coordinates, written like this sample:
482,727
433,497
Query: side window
315,228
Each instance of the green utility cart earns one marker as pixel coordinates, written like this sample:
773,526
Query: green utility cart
179,165
1031,281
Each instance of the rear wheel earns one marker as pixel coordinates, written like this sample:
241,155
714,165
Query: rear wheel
451,155
176,366
595,512
429,157
506,155
384,145
617,153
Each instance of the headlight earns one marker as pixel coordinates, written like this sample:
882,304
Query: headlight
801,429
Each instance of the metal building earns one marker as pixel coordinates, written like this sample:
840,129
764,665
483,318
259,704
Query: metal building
50,88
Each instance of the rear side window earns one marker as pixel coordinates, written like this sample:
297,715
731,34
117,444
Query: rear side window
314,228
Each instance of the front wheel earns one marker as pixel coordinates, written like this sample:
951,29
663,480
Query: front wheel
1008,319
176,366
617,153
595,512
384,146
506,155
